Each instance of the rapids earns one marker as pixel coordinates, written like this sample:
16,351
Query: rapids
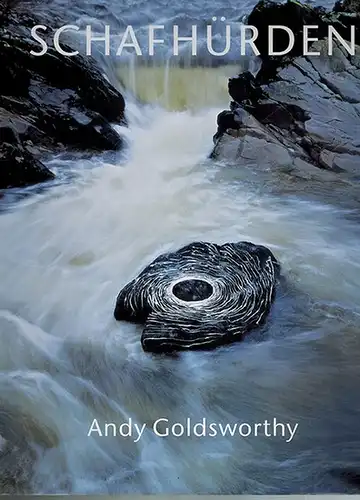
65,253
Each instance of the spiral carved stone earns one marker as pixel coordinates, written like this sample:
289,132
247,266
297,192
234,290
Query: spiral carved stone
203,295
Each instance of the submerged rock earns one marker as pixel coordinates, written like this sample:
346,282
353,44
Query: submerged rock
52,102
350,476
16,464
201,296
302,111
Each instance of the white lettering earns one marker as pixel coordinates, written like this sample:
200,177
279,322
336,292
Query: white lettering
153,40
38,39
95,427
133,43
250,41
271,40
57,45
350,48
90,38
306,41
191,39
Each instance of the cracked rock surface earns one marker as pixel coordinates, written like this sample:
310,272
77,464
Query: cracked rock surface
301,118
49,103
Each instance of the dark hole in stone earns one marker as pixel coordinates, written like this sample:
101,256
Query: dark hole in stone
192,290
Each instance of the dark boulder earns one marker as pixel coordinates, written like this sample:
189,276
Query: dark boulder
304,114
66,98
52,101
244,87
18,166
346,14
226,120
295,15
350,6
201,296
292,14
283,115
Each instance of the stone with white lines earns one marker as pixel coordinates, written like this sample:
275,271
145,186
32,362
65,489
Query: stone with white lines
200,296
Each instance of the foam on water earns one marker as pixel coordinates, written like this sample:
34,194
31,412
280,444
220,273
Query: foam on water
65,255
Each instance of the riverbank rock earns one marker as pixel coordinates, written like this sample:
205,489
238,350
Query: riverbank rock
50,102
298,112
18,167
201,296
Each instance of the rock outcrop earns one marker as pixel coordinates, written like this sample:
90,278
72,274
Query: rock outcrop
298,112
48,103
201,296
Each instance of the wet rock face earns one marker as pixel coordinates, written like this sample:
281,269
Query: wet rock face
349,6
201,296
292,14
18,167
244,87
52,102
299,112
348,12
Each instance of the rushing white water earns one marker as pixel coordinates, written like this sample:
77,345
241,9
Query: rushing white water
64,360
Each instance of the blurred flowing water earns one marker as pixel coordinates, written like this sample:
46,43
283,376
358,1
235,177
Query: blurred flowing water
66,252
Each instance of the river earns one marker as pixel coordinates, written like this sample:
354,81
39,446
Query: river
66,252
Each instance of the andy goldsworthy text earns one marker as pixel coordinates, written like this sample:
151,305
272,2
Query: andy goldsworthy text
164,428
